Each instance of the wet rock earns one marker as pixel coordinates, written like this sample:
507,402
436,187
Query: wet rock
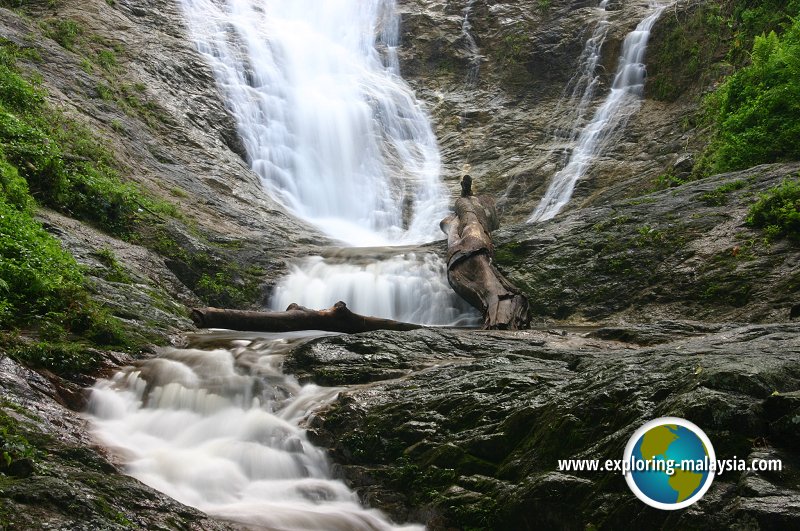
512,125
679,254
475,439
182,149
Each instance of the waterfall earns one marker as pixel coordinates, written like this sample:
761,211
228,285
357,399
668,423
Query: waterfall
408,287
340,140
220,429
472,46
336,135
328,123
581,88
621,102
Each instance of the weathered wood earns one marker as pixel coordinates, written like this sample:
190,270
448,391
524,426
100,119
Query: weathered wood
338,318
470,268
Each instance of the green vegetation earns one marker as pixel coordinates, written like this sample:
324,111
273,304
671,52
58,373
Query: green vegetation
719,196
777,211
756,111
214,280
65,32
708,40
544,5
48,159
65,166
114,271
513,46
668,179
61,357
107,60
14,446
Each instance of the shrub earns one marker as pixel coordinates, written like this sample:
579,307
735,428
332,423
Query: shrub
47,158
756,111
64,31
778,211
66,167
36,271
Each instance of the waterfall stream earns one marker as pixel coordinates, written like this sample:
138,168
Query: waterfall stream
472,46
334,132
221,429
408,287
621,102
340,140
336,135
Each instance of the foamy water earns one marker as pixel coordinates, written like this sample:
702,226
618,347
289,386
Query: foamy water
221,429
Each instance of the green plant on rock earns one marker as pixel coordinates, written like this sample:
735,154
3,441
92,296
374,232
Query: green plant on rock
114,270
777,211
65,165
544,5
65,32
107,60
756,111
668,179
719,196
14,446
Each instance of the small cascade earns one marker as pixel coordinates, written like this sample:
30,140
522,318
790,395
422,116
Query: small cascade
334,132
621,102
220,429
409,287
472,47
580,90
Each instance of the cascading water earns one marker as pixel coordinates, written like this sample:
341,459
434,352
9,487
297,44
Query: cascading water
408,287
339,139
220,429
328,123
581,88
335,133
472,46
622,101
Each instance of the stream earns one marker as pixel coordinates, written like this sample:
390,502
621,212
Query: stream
622,100
340,140
218,426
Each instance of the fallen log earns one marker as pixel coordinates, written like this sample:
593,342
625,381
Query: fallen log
470,268
338,318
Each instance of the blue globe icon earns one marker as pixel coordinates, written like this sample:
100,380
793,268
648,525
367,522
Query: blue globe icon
671,463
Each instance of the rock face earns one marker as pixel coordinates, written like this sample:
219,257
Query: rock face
499,88
683,253
502,107
156,107
470,436
455,429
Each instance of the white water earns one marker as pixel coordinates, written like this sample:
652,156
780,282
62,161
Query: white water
328,123
622,101
472,46
581,88
220,429
339,139
409,287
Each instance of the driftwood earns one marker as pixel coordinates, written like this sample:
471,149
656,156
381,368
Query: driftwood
335,319
470,268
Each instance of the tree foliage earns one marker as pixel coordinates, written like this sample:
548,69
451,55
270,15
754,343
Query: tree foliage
756,111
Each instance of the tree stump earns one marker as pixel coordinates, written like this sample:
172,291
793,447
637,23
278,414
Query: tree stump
470,268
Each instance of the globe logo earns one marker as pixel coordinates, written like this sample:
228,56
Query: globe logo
671,463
